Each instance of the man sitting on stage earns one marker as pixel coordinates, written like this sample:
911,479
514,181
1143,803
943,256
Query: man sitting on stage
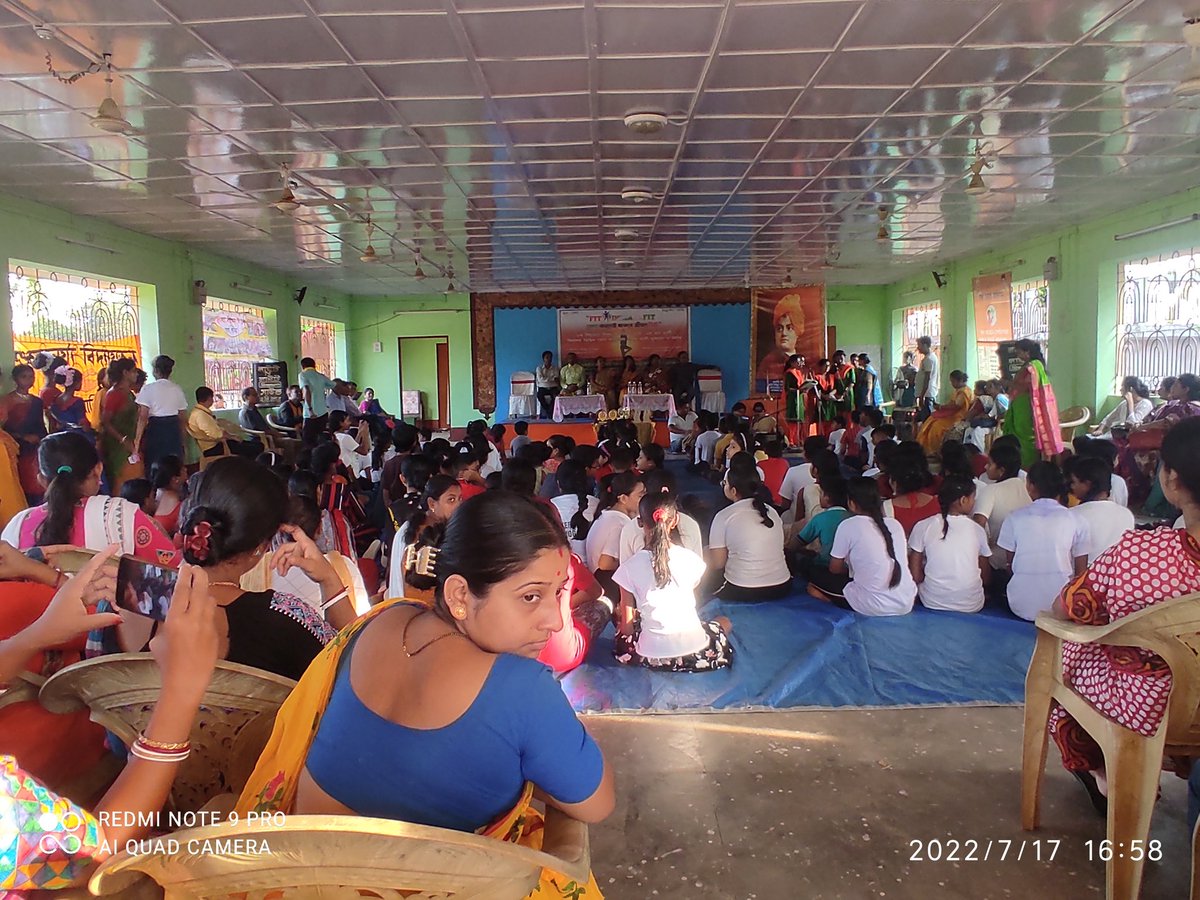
571,376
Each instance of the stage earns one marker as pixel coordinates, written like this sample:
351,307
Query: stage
581,430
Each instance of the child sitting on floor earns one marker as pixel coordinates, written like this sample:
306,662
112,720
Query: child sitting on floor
821,528
1045,544
1090,481
657,623
949,553
865,571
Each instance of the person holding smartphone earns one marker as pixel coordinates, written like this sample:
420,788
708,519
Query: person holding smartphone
185,649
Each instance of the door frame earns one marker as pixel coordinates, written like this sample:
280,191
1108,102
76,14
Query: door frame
443,418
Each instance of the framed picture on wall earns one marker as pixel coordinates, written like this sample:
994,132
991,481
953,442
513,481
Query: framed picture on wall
784,321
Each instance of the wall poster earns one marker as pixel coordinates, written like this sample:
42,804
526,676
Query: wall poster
785,321
619,332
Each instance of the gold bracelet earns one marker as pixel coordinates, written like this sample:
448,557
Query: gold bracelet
162,745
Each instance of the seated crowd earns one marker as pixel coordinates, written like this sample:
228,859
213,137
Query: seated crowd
494,567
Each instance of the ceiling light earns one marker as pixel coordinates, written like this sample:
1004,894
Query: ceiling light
44,32
623,263
646,122
975,184
1189,86
625,234
108,117
787,278
637,195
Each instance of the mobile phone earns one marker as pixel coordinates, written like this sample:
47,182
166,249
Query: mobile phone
145,588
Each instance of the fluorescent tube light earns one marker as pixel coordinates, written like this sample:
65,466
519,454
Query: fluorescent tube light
1161,226
78,243
238,286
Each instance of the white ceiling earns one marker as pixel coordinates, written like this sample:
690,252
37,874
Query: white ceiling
489,133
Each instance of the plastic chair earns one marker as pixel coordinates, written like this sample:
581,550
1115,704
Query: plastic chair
235,719
712,390
1072,420
522,398
1133,763
348,856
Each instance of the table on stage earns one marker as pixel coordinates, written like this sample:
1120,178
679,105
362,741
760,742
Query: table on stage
651,403
577,405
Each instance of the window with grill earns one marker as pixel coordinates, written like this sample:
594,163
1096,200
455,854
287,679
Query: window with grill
235,338
318,340
1158,318
87,320
921,321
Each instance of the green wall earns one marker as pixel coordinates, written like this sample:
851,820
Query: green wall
857,312
1083,301
169,321
384,319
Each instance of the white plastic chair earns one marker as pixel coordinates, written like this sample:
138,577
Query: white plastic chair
522,398
712,390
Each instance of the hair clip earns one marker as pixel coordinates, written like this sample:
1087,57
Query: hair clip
65,470
421,561
196,543
660,514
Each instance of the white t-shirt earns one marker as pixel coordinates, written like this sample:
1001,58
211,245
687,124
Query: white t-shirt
1044,538
350,457
705,443
1106,521
1118,491
604,537
633,537
682,423
859,542
952,579
928,377
836,439
755,551
567,505
996,501
797,479
812,501
493,463
162,398
670,626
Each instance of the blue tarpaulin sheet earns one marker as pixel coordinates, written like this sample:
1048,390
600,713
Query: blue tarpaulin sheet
802,653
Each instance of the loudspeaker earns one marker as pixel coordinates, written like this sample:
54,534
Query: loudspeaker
298,296
939,278
199,293
1050,269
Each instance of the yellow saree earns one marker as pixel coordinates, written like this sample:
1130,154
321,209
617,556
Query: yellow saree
272,785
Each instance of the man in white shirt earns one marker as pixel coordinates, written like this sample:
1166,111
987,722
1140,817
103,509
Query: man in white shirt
680,427
162,414
928,378
548,386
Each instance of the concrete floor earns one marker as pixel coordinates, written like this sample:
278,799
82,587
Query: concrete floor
824,804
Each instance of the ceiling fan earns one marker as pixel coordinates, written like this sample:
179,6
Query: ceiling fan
289,202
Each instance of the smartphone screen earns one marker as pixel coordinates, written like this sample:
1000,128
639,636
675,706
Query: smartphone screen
72,561
145,588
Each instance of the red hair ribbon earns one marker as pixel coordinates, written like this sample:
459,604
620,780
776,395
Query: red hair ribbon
196,543
660,514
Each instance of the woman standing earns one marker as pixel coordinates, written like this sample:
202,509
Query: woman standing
826,400
24,419
1033,412
1130,686
118,425
68,409
97,402
797,390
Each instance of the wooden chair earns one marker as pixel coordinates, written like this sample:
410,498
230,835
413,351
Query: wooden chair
1072,419
349,856
1133,763
232,726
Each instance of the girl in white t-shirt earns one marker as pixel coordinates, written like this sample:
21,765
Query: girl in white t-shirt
949,553
439,500
745,541
866,555
1090,481
657,623
618,504
576,507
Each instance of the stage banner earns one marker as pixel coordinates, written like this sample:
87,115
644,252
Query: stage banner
630,331
993,308
785,321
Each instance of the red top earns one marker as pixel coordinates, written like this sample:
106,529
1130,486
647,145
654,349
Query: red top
909,516
470,489
774,471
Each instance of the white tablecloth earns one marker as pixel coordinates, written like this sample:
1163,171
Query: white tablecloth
651,403
578,404
713,401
